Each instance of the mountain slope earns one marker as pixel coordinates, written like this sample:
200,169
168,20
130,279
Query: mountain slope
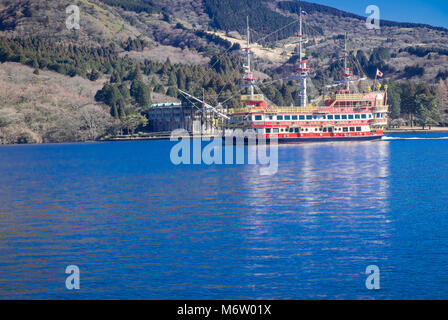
125,46
33,18
46,107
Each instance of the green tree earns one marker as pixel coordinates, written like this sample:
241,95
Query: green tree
408,105
427,110
94,75
287,96
278,98
136,74
111,95
394,97
154,82
115,77
140,92
172,80
159,89
181,79
36,66
133,121
172,92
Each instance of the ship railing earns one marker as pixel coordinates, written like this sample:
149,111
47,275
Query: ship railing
352,96
381,108
274,110
294,109
245,110
255,97
381,122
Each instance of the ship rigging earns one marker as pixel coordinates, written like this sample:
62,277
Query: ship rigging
339,116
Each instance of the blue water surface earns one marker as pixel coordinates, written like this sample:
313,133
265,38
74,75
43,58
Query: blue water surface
140,227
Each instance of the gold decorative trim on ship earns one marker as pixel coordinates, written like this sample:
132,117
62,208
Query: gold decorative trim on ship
255,97
274,110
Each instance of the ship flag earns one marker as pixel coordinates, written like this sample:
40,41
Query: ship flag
379,73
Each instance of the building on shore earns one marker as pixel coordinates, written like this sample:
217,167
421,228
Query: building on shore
168,116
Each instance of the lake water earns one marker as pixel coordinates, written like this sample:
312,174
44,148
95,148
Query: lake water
139,227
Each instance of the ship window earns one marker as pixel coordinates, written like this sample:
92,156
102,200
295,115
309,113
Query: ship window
320,129
315,129
296,130
268,130
358,116
370,116
344,117
301,117
358,129
323,117
258,118
352,129
315,117
282,130
279,117
291,129
271,117
287,117
275,130
363,116
337,117
309,117
330,129
345,129
330,117
325,129
350,117
294,117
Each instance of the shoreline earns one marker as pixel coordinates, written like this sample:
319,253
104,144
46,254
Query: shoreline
417,130
404,130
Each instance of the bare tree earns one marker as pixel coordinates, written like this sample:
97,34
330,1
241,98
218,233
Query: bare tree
9,119
95,121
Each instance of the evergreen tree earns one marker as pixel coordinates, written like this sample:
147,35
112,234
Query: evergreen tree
136,74
36,66
140,92
408,100
154,82
286,94
181,79
172,80
125,93
172,92
115,77
94,75
394,97
427,111
278,98
159,89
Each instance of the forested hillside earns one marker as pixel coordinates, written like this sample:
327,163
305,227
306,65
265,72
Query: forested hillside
135,52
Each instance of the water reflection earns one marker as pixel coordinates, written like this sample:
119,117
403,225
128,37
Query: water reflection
140,227
321,219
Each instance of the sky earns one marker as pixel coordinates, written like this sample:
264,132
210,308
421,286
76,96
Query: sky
433,12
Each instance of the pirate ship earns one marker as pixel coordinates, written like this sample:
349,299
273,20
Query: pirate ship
340,116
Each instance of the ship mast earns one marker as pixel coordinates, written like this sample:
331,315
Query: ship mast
248,74
347,73
303,69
